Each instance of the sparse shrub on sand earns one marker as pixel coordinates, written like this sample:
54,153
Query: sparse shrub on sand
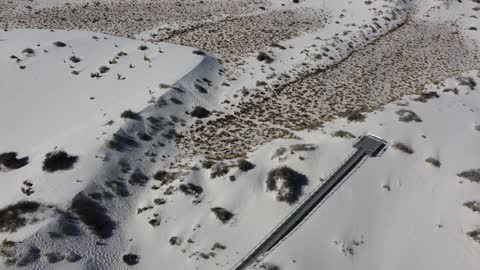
473,205
287,182
103,69
122,143
130,259
434,162
54,257
10,161
356,117
200,88
269,266
303,147
477,127
200,112
74,59
129,114
475,235
198,52
218,170
28,51
13,217
207,164
222,214
93,215
407,116
138,179
403,148
262,56
472,175
165,177
143,47
343,134
59,44
424,97
58,160
191,189
467,81
245,165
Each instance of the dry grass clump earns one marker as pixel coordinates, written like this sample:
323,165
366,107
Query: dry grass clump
434,162
403,148
343,134
200,112
287,182
475,235
222,214
472,175
407,116
356,117
302,147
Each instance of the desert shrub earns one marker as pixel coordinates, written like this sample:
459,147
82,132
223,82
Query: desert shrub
159,201
218,170
343,134
74,59
222,214
165,177
175,241
472,175
191,189
218,246
53,257
9,160
467,81
424,97
32,255
13,217
244,165
58,160
453,90
176,101
269,266
144,136
407,116
103,69
287,182
155,222
29,51
403,148
200,112
434,162
477,128
198,52
475,235
207,164
122,143
131,259
356,117
129,114
59,44
95,75
138,179
72,257
200,88
262,56
93,215
279,152
143,47
118,187
303,147
473,205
